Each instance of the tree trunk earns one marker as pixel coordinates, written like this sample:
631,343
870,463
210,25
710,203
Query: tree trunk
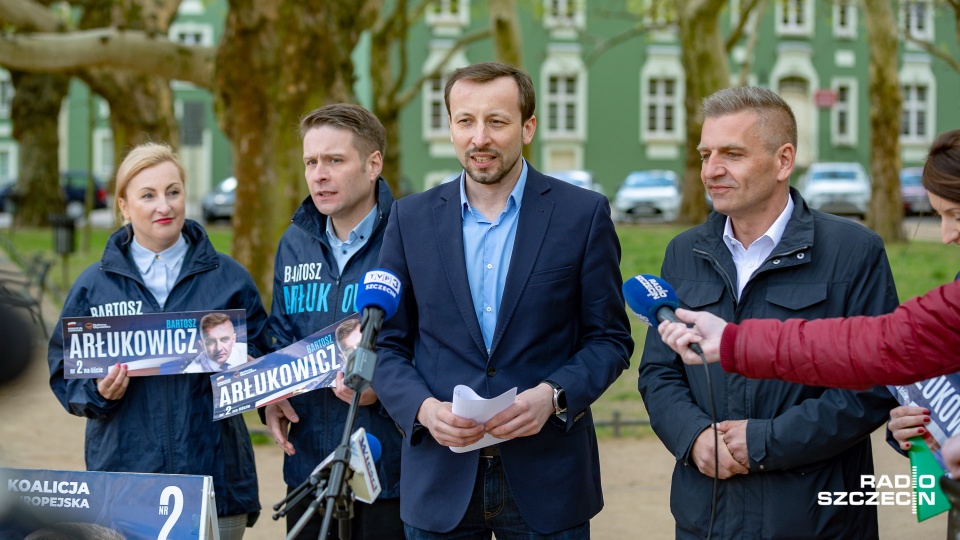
705,66
886,208
141,104
35,113
278,60
506,32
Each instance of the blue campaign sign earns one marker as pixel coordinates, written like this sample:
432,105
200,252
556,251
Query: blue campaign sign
154,343
138,506
304,366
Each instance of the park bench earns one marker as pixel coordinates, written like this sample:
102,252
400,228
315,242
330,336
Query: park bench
24,288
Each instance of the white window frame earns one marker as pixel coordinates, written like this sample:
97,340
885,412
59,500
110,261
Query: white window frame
555,18
103,152
915,71
438,49
563,60
446,20
11,149
912,109
792,27
663,63
845,10
6,96
191,7
920,28
850,108
202,30
556,103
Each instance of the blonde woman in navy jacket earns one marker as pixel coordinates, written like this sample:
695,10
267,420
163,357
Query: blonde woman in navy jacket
159,261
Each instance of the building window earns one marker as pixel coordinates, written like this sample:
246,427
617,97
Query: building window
661,102
8,162
914,122
449,15
190,33
192,123
439,124
563,14
103,152
794,18
916,19
6,93
844,112
562,104
845,19
434,119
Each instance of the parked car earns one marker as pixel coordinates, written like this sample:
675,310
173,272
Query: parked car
914,196
219,203
837,188
582,179
74,185
648,194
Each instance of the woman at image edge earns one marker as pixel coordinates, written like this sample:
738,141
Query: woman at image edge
163,424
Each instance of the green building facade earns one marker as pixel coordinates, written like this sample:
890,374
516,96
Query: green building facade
610,113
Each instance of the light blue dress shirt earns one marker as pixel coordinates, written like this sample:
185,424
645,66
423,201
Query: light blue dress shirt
342,251
159,270
487,247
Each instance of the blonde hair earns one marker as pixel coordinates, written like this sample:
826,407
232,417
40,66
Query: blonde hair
143,157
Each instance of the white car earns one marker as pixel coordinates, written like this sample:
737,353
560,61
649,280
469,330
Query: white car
582,179
837,188
648,194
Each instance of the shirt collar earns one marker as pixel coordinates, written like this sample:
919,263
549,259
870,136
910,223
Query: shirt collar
516,195
774,233
362,231
171,256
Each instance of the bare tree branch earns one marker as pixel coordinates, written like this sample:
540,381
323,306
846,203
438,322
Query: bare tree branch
131,50
638,30
466,39
27,14
737,33
931,49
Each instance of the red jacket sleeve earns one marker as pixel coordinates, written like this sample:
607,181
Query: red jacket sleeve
917,341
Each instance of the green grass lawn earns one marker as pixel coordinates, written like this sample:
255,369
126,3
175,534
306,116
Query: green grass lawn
918,266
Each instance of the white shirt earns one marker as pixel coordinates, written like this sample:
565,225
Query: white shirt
748,260
203,364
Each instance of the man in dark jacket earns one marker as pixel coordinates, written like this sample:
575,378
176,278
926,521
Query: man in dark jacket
764,253
333,240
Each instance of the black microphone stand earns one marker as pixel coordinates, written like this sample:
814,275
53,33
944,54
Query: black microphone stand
331,484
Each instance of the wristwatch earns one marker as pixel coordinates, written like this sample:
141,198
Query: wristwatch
559,398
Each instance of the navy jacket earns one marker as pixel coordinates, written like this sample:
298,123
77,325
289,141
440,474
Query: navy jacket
801,439
561,319
164,424
306,299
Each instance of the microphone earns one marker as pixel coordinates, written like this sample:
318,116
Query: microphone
653,299
377,300
365,451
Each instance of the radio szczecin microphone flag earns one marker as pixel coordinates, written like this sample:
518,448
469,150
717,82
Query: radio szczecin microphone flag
653,300
365,450
377,300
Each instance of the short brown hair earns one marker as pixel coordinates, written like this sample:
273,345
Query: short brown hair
488,71
210,320
775,119
345,329
369,135
941,172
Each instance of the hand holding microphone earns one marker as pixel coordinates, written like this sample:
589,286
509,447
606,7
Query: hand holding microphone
653,299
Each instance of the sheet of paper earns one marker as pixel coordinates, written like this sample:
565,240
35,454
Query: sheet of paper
467,404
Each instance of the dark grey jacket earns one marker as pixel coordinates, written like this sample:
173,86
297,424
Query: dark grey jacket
801,439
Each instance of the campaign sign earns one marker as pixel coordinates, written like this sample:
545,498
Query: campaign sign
154,343
941,396
138,506
311,363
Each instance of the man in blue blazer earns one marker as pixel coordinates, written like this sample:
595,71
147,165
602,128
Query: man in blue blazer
510,279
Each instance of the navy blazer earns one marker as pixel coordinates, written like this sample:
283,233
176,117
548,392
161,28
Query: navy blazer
561,318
